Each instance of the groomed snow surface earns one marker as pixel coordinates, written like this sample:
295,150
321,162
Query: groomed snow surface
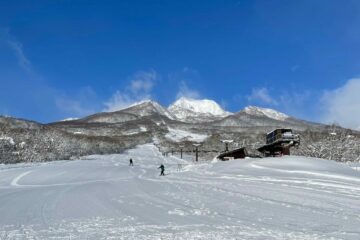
104,198
178,135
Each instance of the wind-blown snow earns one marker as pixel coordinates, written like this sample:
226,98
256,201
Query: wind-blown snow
184,108
270,113
104,198
178,135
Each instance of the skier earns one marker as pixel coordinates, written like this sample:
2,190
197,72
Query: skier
131,162
162,170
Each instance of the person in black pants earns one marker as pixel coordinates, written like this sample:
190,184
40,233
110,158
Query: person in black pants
131,162
162,170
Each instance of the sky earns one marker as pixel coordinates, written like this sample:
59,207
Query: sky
62,59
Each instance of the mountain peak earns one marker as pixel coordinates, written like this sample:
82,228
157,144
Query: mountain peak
187,108
143,102
268,112
147,107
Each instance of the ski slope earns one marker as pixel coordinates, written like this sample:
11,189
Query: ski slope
103,198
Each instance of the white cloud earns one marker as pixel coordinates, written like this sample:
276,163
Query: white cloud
72,107
143,82
140,87
223,103
188,70
120,100
293,103
185,91
261,96
85,101
342,105
23,61
17,49
81,104
299,104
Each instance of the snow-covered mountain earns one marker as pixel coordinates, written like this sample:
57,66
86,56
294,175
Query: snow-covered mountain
148,121
192,110
270,113
263,120
133,112
69,119
148,107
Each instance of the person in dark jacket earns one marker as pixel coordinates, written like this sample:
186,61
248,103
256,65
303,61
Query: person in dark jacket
131,162
162,170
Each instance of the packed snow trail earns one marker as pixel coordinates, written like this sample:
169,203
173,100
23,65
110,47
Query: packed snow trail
103,197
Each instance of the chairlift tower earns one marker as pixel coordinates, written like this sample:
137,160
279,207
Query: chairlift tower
196,151
181,151
226,142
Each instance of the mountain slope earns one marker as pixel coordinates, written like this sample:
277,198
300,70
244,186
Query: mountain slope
132,113
146,108
266,118
194,121
270,113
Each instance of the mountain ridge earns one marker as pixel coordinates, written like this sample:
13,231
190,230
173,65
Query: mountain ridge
149,122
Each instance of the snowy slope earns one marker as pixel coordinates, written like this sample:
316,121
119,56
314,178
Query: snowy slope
133,112
191,109
179,135
104,198
270,113
69,119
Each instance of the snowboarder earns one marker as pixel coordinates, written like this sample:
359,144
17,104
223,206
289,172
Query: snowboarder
162,170
131,162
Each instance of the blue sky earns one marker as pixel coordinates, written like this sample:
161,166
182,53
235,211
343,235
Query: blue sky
62,59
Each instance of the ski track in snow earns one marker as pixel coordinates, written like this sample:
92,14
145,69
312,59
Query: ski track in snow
309,173
14,182
104,198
